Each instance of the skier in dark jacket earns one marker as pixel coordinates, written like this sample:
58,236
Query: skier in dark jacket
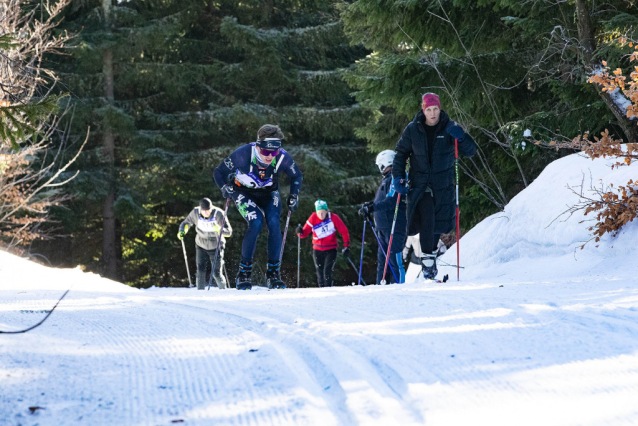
429,143
383,208
207,220
250,176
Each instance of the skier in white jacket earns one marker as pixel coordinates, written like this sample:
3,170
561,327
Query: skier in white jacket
207,220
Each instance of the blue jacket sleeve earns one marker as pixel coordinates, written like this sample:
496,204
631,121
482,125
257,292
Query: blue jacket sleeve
294,173
229,166
388,200
467,147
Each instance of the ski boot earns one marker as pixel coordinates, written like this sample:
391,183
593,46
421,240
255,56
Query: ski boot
273,279
428,263
242,282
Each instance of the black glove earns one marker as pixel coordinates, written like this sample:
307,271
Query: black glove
366,210
228,191
299,229
293,202
346,252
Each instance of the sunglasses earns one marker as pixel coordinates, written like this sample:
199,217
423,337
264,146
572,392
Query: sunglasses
268,152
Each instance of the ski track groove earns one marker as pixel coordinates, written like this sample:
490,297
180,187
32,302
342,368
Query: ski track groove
196,376
308,360
379,375
315,353
135,341
270,416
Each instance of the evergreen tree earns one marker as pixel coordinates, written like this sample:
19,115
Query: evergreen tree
501,66
191,81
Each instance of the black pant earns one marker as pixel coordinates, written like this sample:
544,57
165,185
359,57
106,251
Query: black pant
325,264
202,256
423,224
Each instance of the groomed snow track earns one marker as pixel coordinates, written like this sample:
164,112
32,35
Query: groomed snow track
527,353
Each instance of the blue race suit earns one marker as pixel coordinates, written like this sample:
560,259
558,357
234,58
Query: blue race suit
385,202
257,194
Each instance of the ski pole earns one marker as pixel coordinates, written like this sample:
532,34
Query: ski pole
219,243
361,262
298,258
382,250
358,272
190,283
226,275
283,241
394,222
441,263
456,165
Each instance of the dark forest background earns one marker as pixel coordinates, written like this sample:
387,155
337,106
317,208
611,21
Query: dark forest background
169,88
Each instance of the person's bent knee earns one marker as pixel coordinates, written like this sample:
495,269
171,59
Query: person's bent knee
256,224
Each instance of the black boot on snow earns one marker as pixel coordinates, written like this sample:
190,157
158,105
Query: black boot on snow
242,282
428,263
273,279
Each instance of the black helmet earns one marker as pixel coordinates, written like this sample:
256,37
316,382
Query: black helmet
205,204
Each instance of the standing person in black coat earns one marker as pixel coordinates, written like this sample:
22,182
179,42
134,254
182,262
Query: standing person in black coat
428,142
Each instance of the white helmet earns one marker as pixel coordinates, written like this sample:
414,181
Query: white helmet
385,159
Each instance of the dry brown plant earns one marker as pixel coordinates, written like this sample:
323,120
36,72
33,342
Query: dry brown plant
31,170
614,207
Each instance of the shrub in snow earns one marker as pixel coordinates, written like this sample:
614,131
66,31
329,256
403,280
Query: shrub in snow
614,207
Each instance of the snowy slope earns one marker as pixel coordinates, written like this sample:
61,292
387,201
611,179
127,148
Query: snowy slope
523,340
533,238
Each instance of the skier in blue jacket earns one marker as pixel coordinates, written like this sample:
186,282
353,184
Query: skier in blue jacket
250,176
383,208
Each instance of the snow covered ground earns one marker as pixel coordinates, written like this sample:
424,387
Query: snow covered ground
534,334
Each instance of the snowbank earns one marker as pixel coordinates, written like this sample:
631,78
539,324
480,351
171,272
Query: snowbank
534,238
17,273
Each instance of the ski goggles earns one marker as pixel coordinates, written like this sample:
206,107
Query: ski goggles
268,152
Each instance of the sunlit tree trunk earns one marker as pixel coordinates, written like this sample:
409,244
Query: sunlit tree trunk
110,243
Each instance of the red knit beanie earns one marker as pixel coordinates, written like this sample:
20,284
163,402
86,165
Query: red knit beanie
431,99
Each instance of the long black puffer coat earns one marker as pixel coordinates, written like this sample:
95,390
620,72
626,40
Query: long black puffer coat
436,174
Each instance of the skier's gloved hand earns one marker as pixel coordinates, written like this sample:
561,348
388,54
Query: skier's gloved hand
366,209
182,232
299,230
293,202
400,185
455,131
346,252
228,191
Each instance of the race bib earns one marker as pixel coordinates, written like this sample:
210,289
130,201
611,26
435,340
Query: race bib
324,229
208,225
251,180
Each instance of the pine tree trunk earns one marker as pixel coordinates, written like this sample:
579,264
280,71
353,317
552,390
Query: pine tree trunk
588,46
110,242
